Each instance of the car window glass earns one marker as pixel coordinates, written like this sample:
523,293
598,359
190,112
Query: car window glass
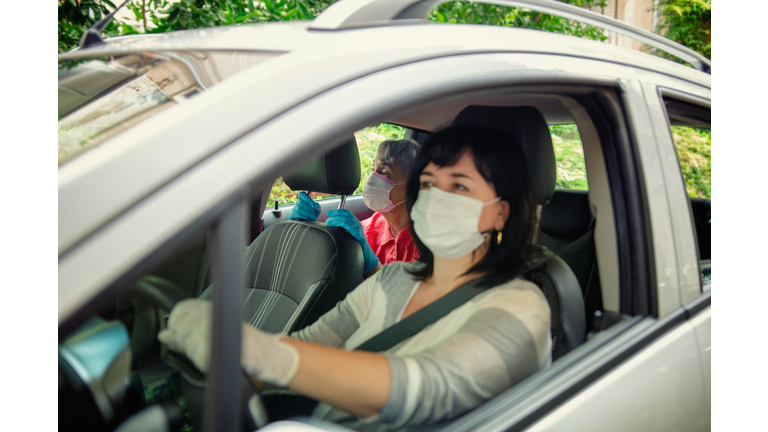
100,98
569,157
690,126
368,140
115,350
694,151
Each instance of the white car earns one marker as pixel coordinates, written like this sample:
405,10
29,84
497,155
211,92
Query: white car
169,145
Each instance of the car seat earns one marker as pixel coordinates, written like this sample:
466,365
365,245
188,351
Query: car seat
295,271
702,214
567,229
526,126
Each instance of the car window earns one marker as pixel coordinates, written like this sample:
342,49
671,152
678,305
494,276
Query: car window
100,98
569,157
368,140
115,350
694,151
692,134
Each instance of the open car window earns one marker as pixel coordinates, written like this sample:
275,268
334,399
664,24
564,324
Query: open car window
690,127
569,157
368,140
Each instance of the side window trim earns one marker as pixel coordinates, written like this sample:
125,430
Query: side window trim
692,283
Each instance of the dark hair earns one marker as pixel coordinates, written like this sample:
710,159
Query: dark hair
502,163
398,153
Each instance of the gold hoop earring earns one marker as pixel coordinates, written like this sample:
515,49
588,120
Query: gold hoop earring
498,238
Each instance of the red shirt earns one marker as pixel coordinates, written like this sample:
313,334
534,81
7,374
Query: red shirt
388,248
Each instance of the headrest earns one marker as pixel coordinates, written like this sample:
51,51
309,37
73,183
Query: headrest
528,128
336,172
567,214
702,211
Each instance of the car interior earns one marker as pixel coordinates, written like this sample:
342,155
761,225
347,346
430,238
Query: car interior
294,271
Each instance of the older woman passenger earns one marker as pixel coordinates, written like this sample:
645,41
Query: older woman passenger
384,236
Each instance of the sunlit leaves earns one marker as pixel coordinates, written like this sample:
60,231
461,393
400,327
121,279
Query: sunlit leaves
75,17
688,22
467,12
163,16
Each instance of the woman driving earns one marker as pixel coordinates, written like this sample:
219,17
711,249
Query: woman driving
471,202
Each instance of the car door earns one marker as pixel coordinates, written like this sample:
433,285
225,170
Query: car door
659,378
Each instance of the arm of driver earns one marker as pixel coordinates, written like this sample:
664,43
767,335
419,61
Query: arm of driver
355,381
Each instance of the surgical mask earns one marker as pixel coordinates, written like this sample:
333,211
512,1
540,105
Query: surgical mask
447,222
376,193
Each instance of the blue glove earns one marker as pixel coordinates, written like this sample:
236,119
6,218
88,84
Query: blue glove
305,209
343,218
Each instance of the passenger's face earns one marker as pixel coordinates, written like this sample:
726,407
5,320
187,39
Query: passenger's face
463,178
397,194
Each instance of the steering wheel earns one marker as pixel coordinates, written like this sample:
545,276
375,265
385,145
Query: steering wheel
163,294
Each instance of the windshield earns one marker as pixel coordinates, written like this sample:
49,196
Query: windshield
99,98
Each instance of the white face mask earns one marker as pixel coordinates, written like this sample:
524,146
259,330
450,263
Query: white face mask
376,193
447,222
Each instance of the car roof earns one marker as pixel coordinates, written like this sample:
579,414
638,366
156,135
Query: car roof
394,42
319,58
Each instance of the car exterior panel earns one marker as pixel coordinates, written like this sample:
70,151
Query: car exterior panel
660,388
650,171
686,252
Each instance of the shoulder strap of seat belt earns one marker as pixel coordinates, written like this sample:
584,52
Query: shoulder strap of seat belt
422,318
438,309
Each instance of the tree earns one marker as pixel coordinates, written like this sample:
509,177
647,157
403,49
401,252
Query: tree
468,12
189,14
688,22
158,16
76,16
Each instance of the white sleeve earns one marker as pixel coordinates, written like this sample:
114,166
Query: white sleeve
336,325
491,352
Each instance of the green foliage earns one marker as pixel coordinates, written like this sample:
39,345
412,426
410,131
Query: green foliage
159,16
76,16
368,141
688,22
694,150
468,12
569,157
189,14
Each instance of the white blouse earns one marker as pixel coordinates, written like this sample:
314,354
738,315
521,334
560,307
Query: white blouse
478,350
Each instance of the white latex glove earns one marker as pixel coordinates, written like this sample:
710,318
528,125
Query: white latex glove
263,355
189,331
267,358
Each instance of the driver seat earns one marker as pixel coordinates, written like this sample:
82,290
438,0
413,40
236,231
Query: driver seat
295,271
526,126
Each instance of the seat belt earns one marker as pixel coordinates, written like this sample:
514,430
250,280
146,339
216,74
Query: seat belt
440,308
422,318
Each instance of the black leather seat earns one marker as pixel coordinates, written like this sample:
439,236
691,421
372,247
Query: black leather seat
702,214
527,127
567,229
295,271
564,220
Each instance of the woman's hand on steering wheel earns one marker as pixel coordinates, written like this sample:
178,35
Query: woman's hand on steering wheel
263,355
